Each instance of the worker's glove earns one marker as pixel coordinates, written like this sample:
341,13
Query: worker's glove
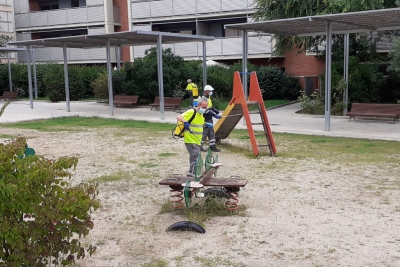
217,116
209,124
186,125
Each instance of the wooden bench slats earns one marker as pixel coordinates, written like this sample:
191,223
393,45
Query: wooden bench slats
171,102
374,110
9,95
125,100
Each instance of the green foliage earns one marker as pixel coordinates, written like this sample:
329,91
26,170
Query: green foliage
4,81
394,56
4,39
76,83
118,78
20,79
142,76
3,108
390,92
53,80
272,9
275,84
42,216
100,87
88,74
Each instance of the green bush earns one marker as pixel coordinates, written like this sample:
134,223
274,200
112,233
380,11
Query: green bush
4,81
76,84
20,78
53,80
100,87
42,216
88,75
275,84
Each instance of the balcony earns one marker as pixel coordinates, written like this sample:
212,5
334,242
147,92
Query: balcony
218,49
64,17
148,10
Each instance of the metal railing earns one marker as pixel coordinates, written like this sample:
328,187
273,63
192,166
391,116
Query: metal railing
219,48
68,16
142,9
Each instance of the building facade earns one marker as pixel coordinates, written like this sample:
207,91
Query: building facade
7,25
37,19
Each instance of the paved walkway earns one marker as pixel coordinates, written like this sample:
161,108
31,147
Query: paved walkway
282,119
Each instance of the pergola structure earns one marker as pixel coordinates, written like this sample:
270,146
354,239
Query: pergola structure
343,23
118,39
9,50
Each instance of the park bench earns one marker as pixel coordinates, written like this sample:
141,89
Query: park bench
169,102
374,110
9,95
130,100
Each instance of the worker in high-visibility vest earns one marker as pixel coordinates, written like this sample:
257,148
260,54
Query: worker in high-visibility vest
193,92
194,131
208,131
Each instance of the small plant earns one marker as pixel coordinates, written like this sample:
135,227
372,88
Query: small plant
42,217
3,108
310,104
100,87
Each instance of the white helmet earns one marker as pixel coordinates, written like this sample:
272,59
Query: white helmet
208,88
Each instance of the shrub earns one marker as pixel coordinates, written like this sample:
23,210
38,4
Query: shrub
100,86
275,84
42,216
53,80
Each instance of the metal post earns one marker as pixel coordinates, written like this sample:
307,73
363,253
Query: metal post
346,74
109,70
119,58
34,73
204,65
9,72
66,80
160,75
28,63
328,72
244,67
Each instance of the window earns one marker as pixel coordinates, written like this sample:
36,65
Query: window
49,5
74,3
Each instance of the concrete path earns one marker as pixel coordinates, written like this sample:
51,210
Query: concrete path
282,119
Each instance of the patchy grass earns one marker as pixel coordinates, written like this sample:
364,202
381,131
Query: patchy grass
167,154
217,261
8,136
81,123
118,176
156,263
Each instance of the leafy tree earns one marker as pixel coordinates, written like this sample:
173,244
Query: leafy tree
42,217
271,9
142,75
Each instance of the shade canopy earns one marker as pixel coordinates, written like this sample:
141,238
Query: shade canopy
127,38
352,22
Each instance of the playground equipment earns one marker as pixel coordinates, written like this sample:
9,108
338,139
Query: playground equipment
239,107
185,188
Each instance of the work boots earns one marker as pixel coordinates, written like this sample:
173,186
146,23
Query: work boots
214,148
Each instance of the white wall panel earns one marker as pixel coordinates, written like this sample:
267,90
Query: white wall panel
214,48
78,15
94,2
186,49
141,10
184,7
230,5
161,8
232,46
56,17
99,53
38,19
207,6
21,20
21,6
96,14
260,45
97,30
138,51
141,27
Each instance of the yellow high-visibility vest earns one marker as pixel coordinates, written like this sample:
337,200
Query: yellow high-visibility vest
196,126
193,87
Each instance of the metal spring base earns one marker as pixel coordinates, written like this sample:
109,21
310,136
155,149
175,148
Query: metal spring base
176,197
233,203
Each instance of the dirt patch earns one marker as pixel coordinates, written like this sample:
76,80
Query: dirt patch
300,212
